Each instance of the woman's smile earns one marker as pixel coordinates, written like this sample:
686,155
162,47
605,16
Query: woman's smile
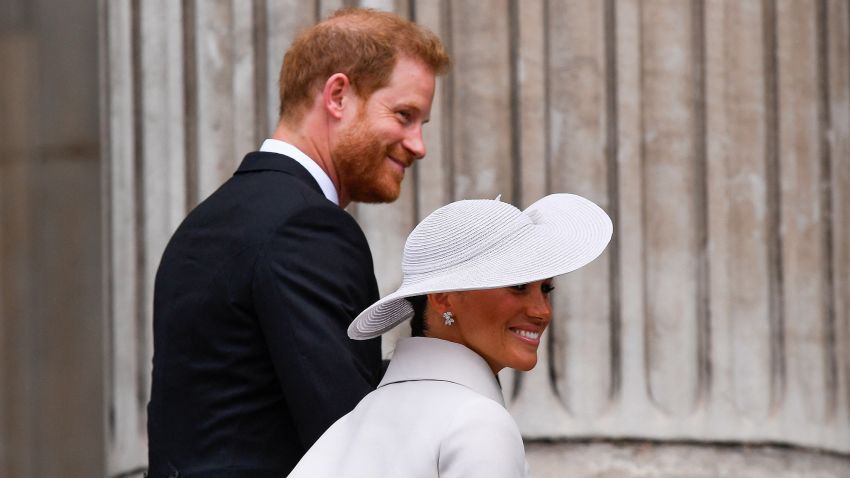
502,325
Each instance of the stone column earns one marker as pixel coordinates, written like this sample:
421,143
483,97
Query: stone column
712,338
721,315
52,407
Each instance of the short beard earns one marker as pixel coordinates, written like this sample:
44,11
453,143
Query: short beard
359,159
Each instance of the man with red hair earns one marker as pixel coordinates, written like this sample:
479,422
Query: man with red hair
259,283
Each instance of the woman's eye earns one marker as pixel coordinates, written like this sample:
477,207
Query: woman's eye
545,288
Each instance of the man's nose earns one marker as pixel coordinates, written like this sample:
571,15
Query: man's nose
415,144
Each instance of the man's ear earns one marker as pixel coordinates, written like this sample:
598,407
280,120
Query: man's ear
335,94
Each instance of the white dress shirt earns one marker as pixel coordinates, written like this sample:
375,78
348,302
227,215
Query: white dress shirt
438,412
286,149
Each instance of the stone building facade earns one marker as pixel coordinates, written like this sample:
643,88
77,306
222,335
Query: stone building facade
711,339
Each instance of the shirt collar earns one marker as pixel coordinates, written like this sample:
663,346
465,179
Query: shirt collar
286,149
424,358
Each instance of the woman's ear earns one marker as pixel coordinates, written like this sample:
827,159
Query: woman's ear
438,326
335,93
440,302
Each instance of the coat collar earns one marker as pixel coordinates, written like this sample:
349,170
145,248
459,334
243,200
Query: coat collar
266,161
422,358
272,145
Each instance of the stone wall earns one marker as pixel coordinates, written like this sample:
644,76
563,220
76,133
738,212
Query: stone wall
619,459
716,134
52,406
711,339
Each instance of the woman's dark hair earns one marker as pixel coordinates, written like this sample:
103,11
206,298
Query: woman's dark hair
418,327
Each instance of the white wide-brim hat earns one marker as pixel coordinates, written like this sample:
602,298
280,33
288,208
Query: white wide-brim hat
485,244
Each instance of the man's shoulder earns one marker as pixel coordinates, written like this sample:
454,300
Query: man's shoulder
253,207
277,174
271,187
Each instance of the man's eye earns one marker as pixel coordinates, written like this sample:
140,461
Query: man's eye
405,116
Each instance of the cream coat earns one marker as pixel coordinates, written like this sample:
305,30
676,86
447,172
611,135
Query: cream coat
438,412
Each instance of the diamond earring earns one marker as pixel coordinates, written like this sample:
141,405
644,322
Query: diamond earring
449,318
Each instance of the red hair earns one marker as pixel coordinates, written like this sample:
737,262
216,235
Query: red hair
363,44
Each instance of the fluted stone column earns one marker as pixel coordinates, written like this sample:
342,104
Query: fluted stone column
52,406
713,336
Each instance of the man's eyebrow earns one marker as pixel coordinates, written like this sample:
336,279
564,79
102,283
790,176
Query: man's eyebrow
407,105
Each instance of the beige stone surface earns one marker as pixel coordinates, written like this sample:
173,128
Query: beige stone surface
655,460
716,133
677,117
52,405
739,219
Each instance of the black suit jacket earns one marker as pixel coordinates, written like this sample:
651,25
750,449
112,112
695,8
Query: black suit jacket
252,300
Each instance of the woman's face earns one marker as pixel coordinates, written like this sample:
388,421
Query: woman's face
502,325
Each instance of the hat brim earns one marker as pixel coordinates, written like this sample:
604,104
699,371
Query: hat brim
567,232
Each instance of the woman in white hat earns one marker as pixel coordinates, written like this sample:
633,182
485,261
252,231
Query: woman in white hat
477,275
